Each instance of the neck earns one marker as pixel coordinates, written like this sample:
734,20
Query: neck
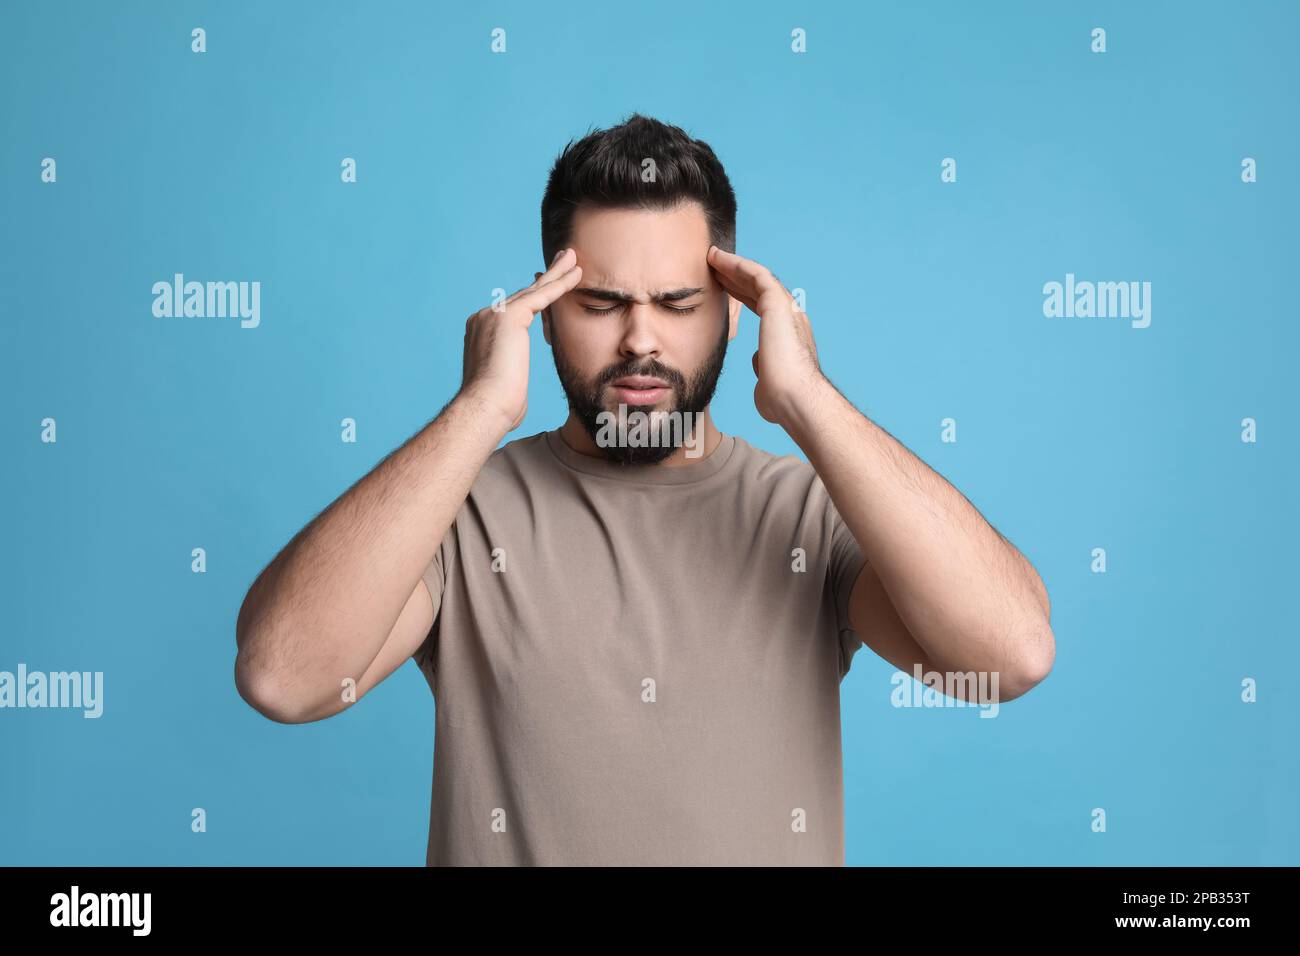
577,438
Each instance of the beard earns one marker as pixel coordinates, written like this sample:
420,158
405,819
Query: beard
691,398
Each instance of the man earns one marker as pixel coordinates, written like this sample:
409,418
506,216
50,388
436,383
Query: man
635,649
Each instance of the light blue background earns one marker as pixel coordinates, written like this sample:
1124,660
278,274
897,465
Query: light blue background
926,300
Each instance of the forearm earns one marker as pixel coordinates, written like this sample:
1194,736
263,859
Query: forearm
967,596
322,609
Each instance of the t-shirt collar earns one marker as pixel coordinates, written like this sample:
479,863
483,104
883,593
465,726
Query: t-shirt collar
695,470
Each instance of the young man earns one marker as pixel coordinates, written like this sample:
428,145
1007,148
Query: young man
636,649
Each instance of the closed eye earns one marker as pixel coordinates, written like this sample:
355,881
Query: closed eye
612,308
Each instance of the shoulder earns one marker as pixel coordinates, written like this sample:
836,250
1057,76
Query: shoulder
786,478
518,458
772,469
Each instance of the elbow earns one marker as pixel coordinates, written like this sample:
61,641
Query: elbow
1037,657
1038,649
1043,656
1044,601
256,682
266,695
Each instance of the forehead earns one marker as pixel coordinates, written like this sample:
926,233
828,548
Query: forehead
642,250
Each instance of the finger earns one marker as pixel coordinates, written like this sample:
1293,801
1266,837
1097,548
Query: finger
736,292
768,283
563,260
542,296
754,278
744,299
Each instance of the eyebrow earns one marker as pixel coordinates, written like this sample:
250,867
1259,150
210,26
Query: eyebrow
618,295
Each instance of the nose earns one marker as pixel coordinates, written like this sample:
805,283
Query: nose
640,336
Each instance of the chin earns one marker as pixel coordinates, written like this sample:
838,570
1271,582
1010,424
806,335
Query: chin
609,423
638,456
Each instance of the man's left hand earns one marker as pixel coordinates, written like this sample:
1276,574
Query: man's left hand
786,361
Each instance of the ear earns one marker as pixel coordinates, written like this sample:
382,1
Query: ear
733,316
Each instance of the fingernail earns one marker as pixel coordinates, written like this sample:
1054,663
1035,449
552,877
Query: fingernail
557,256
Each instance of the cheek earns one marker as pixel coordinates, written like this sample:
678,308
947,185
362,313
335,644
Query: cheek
587,345
698,341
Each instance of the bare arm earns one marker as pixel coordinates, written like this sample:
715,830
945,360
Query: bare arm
942,587
345,598
323,609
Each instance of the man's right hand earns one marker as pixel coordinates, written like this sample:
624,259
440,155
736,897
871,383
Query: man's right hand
497,347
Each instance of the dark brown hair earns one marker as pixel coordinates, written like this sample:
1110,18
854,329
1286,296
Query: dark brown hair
605,168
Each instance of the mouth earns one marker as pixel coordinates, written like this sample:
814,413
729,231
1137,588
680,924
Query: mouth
639,389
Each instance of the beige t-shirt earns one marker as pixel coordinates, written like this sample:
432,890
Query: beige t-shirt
636,666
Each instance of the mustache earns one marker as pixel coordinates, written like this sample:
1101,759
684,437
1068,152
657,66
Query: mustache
652,368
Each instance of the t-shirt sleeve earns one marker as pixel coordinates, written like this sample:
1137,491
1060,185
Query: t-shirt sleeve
846,562
435,579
